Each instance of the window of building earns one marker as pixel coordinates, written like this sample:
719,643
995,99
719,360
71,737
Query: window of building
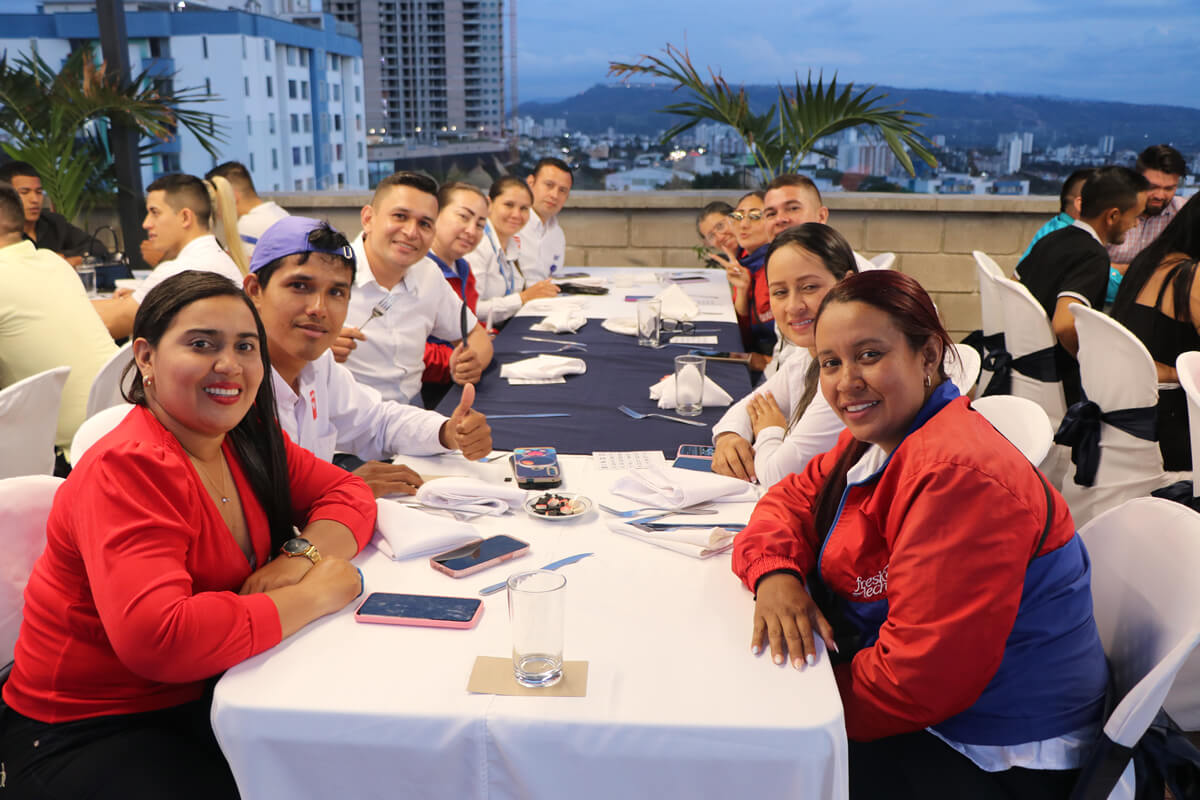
308,123
249,126
337,93
292,89
358,122
308,154
338,155
324,123
299,185
335,61
270,122
337,122
295,123
297,157
324,91
303,88
360,152
356,66
310,184
291,56
267,49
341,180
270,90
328,151
361,178
274,158
303,57
204,45
358,94
246,85
208,86
252,162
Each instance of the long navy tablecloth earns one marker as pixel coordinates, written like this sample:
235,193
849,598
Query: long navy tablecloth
618,373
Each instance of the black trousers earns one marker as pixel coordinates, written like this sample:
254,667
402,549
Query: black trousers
923,767
170,753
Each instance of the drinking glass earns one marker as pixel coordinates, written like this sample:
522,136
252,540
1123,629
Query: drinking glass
689,385
87,276
649,320
535,608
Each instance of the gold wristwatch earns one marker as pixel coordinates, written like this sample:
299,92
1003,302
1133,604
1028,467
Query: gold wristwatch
299,546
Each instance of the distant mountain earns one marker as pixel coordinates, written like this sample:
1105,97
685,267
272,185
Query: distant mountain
966,119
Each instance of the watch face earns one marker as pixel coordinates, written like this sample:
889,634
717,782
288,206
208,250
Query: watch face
296,546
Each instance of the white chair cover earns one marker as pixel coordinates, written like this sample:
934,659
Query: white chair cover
24,505
991,309
1188,367
95,427
1117,373
1145,556
29,423
1021,421
964,370
883,260
106,386
1027,330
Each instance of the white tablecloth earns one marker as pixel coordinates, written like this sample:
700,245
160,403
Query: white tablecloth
713,295
676,704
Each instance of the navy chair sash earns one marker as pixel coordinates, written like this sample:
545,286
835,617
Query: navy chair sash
1039,365
1080,429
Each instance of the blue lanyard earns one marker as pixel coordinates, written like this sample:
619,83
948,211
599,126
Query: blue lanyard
506,270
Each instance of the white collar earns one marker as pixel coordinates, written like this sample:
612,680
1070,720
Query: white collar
1084,226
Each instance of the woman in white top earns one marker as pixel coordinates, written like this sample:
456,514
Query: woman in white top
494,263
776,429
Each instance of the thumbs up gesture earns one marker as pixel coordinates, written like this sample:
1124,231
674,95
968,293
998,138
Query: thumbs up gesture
466,429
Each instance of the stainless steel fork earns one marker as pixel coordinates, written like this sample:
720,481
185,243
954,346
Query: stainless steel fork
380,309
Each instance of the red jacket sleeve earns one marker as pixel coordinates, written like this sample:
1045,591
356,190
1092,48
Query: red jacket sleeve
954,583
437,363
321,490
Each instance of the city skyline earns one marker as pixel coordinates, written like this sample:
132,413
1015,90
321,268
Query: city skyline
1099,50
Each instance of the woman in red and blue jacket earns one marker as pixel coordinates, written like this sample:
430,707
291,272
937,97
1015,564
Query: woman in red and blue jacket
462,216
746,278
936,562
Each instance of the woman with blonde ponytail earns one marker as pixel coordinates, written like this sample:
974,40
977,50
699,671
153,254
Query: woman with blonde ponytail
224,207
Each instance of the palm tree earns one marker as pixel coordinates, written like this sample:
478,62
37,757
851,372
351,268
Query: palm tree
780,139
59,122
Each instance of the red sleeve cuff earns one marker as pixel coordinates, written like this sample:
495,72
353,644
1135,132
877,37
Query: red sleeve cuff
768,564
265,629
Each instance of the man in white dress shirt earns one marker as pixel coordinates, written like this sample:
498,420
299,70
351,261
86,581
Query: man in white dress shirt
254,215
300,282
178,209
543,247
402,294
791,200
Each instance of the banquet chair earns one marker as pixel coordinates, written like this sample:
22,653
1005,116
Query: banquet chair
1144,555
883,260
991,311
106,386
1118,375
1027,333
28,423
1021,421
964,370
96,427
1188,367
24,506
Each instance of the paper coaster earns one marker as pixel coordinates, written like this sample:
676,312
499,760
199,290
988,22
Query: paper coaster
492,675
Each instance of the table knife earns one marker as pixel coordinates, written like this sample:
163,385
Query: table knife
562,562
543,415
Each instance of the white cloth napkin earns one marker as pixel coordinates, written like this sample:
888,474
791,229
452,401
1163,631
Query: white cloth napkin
623,325
406,532
664,393
548,305
677,305
694,542
635,277
564,320
470,495
543,366
668,487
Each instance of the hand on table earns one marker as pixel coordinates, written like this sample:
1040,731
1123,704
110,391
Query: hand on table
278,572
765,413
733,456
466,429
465,365
385,478
539,290
786,615
334,582
346,341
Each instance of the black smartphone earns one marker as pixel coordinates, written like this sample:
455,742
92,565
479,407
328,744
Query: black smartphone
536,467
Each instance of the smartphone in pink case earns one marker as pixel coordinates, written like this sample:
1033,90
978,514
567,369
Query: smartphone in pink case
427,611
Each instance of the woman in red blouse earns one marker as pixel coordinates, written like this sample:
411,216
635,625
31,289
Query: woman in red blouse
169,558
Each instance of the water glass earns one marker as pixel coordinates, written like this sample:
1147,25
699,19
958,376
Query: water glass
536,601
689,385
649,320
87,275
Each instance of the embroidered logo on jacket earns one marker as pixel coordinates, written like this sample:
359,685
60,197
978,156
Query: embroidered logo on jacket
872,586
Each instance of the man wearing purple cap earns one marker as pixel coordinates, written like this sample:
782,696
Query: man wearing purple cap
301,276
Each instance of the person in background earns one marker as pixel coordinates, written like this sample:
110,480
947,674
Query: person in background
178,224
791,199
45,228
496,261
942,571
1071,265
170,556
46,321
300,281
776,430
749,291
254,215
1162,166
1069,202
1159,301
542,244
401,293
462,215
716,231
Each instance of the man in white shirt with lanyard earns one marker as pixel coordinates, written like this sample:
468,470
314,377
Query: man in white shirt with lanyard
543,246
300,280
254,215
404,298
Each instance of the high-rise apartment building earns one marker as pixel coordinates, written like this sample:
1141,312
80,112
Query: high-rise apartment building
434,69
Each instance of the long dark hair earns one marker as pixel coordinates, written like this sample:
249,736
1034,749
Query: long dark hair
1182,235
911,309
838,257
256,439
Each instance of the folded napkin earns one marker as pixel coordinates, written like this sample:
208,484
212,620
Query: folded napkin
694,542
623,325
406,532
635,277
564,320
677,305
549,305
470,495
664,391
597,282
668,487
543,366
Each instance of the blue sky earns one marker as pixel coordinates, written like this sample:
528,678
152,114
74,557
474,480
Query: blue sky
1123,50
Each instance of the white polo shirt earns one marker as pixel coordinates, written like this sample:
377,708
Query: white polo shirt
203,253
333,413
254,223
497,277
543,248
392,359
